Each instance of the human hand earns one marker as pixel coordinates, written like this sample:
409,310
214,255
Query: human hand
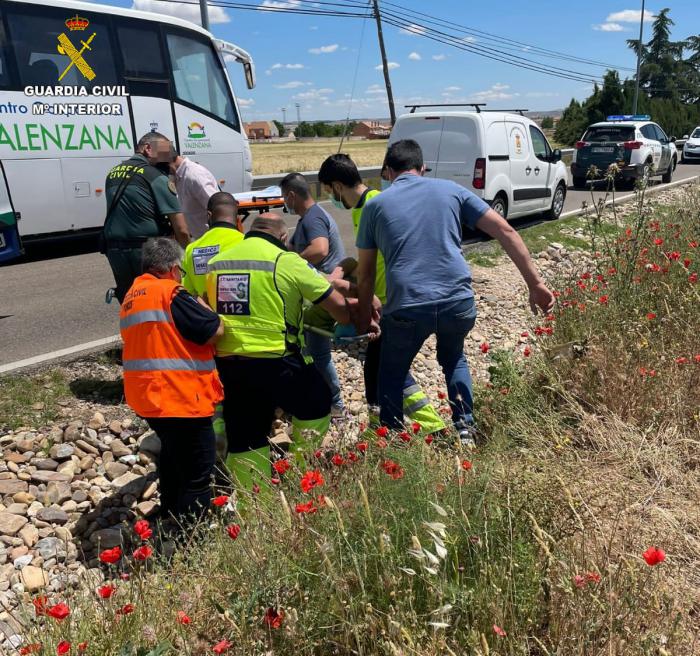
541,297
336,274
374,332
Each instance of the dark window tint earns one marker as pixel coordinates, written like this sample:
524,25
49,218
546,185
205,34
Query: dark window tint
60,47
613,133
649,132
696,134
199,78
141,51
660,134
4,75
539,144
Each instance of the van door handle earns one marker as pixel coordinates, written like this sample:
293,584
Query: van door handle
528,170
537,170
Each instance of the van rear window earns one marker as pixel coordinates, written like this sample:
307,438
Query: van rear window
614,133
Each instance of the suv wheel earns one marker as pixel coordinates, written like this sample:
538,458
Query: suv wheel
668,176
500,205
554,212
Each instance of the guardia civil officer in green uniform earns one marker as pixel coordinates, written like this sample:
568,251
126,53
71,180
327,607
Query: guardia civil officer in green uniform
258,288
140,205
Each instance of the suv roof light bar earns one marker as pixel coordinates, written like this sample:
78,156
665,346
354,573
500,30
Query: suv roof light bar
629,117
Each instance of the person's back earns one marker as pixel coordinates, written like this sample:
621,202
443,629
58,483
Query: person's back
195,186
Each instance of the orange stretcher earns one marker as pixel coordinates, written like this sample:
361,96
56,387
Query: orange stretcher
262,200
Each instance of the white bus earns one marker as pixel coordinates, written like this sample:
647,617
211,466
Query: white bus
79,84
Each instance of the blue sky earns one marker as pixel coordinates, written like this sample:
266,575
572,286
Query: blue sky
311,60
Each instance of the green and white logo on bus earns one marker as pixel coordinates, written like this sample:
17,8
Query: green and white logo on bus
195,131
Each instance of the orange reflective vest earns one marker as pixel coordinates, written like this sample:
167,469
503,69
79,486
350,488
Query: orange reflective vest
165,375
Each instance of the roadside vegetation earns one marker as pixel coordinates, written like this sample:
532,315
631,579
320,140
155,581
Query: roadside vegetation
572,530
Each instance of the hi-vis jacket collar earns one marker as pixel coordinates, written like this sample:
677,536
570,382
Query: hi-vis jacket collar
266,237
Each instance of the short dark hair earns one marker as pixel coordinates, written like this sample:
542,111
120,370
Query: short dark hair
150,139
404,155
339,168
297,183
221,199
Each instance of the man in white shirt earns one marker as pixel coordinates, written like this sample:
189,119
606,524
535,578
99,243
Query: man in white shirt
195,184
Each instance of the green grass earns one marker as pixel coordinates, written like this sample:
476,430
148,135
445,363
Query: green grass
31,400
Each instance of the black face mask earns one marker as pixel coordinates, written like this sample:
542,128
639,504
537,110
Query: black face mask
163,167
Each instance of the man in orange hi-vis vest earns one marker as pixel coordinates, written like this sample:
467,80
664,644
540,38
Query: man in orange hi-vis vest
170,378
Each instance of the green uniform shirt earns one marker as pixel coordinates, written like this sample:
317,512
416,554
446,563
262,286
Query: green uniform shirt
144,203
380,280
218,239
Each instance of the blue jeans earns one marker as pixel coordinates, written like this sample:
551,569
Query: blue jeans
403,335
319,348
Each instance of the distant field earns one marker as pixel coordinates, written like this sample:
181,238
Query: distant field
308,155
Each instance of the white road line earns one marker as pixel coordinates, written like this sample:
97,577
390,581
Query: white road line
55,355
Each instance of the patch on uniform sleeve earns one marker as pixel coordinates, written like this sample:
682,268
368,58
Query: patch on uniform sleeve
171,186
233,294
201,257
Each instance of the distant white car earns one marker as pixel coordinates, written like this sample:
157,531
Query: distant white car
691,149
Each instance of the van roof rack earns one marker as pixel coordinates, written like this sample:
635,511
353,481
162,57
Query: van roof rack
476,106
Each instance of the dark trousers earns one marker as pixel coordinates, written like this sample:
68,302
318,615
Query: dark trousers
371,372
187,457
255,387
126,267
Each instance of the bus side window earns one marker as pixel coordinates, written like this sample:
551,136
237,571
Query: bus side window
199,77
141,53
4,75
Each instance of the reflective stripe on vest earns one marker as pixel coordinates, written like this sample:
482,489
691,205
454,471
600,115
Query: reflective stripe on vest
242,265
144,316
168,364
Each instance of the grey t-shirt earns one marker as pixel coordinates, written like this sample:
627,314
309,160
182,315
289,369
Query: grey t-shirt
318,223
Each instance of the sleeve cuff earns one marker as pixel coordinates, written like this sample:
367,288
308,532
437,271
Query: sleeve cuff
324,296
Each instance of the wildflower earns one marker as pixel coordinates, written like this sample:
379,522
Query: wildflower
693,278
442,395
429,439
111,556
255,489
219,501
682,360
307,507
233,531
466,465
125,610
63,647
143,553
499,631
311,480
33,648
318,453
352,456
585,276
415,427
281,466
183,618
382,431
393,469
654,556
142,529
82,646
273,618
687,262
124,576
40,605
484,347
275,481
405,437
361,446
222,647
603,300
651,316
674,256
321,501
381,444
527,351
592,577
697,359
337,460
612,271
58,611
693,244
106,591
658,241
579,581
525,334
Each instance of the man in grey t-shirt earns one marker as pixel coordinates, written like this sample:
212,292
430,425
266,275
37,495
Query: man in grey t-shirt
317,239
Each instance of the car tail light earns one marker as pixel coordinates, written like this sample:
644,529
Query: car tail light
632,145
479,180
581,144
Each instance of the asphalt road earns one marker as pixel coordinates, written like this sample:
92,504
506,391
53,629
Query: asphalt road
54,298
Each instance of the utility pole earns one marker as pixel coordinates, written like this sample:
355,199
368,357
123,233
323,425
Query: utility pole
284,115
639,60
298,106
204,12
385,66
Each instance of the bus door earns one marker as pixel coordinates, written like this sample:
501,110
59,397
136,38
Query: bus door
10,245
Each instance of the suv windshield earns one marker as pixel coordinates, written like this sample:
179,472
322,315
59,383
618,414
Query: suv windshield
614,133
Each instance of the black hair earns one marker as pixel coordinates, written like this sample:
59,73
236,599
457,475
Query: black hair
339,168
221,199
297,183
404,155
150,139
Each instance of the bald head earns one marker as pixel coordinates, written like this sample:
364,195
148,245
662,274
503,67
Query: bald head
271,224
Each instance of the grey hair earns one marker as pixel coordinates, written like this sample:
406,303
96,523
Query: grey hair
297,183
150,139
160,254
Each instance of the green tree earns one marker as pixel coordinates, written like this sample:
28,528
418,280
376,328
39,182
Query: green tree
280,128
572,124
547,123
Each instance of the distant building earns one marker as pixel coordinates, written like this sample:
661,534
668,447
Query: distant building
371,130
259,130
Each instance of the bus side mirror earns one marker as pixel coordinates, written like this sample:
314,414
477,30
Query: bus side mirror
249,71
555,156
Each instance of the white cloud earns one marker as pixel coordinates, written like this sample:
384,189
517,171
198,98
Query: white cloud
324,50
439,57
375,89
273,5
609,27
313,28
295,84
189,12
541,94
496,92
414,56
451,89
246,102
390,65
630,16
469,39
413,30
314,94
289,67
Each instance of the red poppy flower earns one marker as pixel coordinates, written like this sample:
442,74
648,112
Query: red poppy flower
682,360
82,646
693,244
255,489
687,262
311,480
281,466
592,577
233,531
58,611
353,457
658,241
183,618
34,648
603,300
416,427
527,351
40,605
361,447
651,316
275,481
654,556
393,469
143,529
586,276
484,347
63,647
525,334
111,556
321,501
106,591
382,444
466,465
499,631
693,277
307,507
125,576
337,460
697,358
143,553
579,581
442,395
222,647
125,610
318,453
273,618
429,439
219,501
382,431
404,436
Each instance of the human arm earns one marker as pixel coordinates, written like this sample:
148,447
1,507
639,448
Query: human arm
195,321
181,232
316,251
494,225
168,206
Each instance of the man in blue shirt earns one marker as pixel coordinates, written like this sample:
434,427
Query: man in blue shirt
417,226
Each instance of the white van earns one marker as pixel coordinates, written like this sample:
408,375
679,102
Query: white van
502,157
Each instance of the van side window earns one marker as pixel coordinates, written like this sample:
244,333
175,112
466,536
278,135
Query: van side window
199,77
539,144
60,47
141,53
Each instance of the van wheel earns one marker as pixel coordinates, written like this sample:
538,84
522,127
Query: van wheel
554,212
500,205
